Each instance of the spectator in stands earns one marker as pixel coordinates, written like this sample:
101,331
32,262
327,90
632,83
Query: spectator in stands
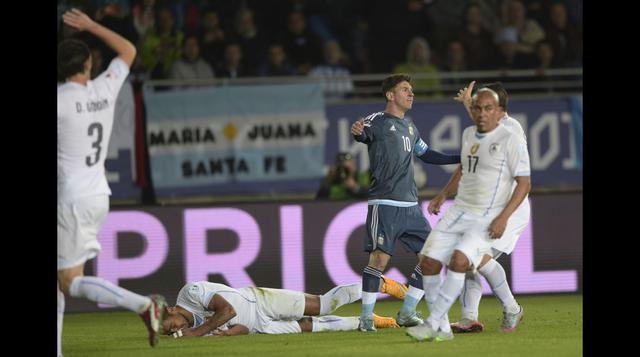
336,78
162,46
114,16
544,60
477,39
191,66
144,17
301,44
343,180
455,61
565,38
419,62
277,63
232,67
508,56
211,38
251,39
528,30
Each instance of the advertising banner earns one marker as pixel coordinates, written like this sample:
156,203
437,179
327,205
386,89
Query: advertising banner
235,139
308,247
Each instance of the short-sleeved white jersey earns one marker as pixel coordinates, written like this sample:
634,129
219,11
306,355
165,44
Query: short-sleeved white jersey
85,120
195,298
490,162
513,125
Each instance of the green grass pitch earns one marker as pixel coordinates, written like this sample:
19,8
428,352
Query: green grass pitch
552,326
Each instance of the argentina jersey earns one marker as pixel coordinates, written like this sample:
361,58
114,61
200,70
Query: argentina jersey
392,142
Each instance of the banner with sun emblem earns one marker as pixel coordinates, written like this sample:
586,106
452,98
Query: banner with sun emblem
231,139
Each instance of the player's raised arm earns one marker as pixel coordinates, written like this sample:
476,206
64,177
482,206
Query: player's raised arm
464,97
123,47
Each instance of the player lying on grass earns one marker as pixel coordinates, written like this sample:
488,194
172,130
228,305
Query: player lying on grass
205,308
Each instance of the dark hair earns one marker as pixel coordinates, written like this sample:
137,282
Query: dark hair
390,82
503,98
72,54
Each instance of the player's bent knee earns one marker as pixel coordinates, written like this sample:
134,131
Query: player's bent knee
378,259
66,276
430,266
306,324
459,262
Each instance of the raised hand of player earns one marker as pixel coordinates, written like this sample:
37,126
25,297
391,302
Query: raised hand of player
358,127
464,94
436,203
497,227
78,20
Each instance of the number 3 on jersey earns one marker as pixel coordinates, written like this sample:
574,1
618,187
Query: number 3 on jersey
96,144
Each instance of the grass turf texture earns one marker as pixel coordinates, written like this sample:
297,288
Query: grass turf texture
552,326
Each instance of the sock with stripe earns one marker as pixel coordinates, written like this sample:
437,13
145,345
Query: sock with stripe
448,294
104,292
415,292
334,323
370,288
471,295
338,296
497,278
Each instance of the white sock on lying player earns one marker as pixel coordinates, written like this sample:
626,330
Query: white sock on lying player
334,323
338,296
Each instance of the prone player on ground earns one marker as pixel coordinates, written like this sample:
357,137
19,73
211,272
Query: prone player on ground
204,308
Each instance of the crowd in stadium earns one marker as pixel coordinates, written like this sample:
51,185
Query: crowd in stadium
184,39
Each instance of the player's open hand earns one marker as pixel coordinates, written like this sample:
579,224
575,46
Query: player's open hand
78,20
497,227
464,94
358,127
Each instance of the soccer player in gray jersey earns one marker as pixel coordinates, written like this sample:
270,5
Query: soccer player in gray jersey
394,214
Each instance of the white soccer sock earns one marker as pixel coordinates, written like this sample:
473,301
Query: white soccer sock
431,285
338,296
497,278
448,293
334,323
104,292
61,305
471,295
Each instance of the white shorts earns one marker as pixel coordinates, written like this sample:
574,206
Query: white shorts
78,225
459,230
279,310
515,226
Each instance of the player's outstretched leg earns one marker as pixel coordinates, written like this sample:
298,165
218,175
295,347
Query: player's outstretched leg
151,309
338,296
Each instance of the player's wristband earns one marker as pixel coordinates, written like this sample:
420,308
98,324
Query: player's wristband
177,334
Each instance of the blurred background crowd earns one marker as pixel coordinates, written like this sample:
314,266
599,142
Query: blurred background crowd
187,39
